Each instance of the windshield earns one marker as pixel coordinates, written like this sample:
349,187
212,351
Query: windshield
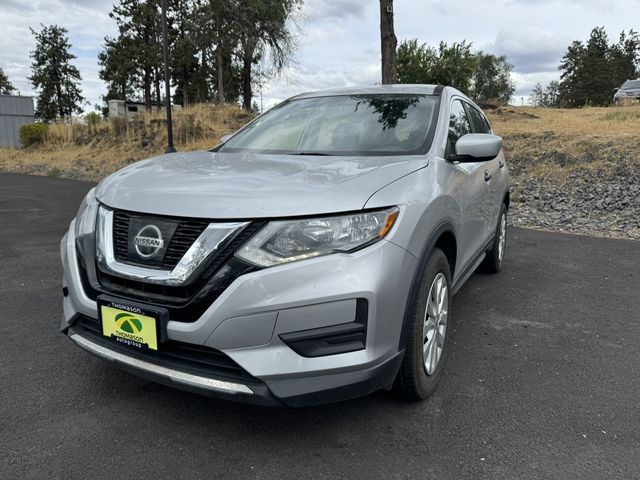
342,125
631,85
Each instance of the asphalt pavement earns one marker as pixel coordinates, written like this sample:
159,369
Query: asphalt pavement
543,381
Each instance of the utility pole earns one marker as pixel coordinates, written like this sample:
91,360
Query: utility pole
389,43
167,78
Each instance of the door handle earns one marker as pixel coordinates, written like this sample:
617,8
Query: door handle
487,176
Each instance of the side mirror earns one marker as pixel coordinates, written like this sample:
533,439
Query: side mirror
477,147
226,138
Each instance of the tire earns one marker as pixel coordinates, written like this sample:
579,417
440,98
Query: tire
495,257
419,376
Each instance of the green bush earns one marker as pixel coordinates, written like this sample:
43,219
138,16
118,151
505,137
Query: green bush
93,119
33,133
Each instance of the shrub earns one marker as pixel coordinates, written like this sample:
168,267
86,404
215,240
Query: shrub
93,119
33,133
54,172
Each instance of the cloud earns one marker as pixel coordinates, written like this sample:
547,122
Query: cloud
530,49
87,22
320,10
526,81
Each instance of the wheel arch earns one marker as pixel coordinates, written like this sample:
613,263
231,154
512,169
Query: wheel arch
444,238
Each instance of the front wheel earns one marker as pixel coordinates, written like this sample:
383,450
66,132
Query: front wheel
493,261
429,329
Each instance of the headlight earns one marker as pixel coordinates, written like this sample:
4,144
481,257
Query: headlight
86,216
287,241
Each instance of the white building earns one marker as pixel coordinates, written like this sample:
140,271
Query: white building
124,109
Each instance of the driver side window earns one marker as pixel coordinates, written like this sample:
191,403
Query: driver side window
459,125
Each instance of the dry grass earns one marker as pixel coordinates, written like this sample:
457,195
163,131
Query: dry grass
91,152
556,142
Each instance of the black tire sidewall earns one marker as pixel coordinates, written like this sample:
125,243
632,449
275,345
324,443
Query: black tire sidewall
426,384
493,263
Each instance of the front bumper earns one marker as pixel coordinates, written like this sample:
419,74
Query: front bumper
249,320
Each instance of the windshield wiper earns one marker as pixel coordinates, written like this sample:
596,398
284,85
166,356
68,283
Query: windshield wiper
317,154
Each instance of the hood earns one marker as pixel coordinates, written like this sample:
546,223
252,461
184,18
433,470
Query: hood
239,185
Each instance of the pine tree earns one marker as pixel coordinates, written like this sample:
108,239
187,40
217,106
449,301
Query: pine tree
118,69
54,77
185,67
591,71
139,43
6,87
595,69
545,97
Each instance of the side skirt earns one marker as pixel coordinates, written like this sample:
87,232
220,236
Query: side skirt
472,267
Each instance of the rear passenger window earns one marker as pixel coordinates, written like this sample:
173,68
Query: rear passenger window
480,124
459,124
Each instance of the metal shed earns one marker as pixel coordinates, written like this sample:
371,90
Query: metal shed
14,112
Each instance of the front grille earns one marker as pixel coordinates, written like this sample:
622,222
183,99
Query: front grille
182,356
186,303
185,233
121,235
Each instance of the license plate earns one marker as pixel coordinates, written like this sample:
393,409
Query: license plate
129,325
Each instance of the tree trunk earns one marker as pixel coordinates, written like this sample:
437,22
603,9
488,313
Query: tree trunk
220,69
147,89
203,94
247,93
389,43
185,90
247,64
157,85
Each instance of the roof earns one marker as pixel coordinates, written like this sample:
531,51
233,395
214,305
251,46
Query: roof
16,106
376,89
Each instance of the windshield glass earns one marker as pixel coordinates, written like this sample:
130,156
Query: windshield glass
342,125
631,85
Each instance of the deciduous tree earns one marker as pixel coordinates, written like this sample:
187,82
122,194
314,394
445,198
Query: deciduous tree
447,65
492,78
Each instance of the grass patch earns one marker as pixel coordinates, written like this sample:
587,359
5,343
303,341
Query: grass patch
93,150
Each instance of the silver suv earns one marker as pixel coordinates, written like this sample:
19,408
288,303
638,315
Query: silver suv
630,90
310,258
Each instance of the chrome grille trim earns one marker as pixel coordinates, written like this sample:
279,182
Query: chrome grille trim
215,235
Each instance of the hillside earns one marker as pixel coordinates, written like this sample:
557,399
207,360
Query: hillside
92,152
573,170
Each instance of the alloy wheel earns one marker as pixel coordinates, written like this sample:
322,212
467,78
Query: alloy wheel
502,240
435,323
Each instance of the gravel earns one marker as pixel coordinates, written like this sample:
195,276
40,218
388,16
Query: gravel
588,202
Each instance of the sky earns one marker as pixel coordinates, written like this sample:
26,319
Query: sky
338,40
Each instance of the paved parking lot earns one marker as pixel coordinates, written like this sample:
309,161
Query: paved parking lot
543,380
